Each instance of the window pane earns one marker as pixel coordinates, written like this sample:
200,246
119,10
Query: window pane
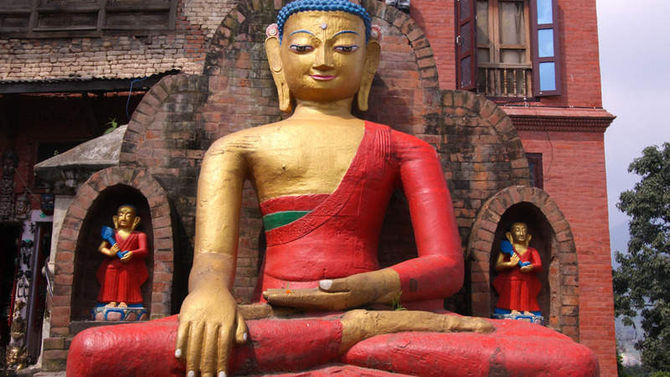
547,76
482,22
465,9
513,56
483,55
466,35
466,72
512,26
545,43
544,15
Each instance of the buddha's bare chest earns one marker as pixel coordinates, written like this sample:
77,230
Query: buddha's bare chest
299,165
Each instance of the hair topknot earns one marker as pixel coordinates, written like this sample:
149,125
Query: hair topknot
323,5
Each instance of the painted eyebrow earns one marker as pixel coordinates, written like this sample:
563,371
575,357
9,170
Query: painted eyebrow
345,32
301,31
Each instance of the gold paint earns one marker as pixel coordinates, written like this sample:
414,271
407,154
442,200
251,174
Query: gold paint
520,239
376,287
16,357
358,325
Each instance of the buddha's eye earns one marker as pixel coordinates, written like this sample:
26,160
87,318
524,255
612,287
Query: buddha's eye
346,49
301,49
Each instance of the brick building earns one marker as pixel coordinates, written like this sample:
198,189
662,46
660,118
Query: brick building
510,98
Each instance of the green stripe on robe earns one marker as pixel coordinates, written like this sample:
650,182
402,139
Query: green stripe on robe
277,219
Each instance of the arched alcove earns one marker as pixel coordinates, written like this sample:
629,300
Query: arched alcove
85,286
553,239
75,286
542,236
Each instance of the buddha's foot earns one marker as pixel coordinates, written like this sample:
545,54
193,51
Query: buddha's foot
362,324
111,304
122,305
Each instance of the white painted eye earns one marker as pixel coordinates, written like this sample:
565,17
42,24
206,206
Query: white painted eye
346,49
301,49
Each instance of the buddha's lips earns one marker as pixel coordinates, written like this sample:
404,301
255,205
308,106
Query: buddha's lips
322,77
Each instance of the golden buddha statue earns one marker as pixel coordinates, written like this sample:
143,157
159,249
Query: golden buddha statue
323,179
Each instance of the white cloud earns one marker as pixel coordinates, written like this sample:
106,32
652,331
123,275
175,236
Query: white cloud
635,75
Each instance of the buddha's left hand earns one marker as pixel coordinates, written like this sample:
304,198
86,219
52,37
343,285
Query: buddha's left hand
376,287
126,258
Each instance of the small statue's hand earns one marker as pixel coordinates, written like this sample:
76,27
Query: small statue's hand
126,258
115,248
209,323
514,260
374,287
527,268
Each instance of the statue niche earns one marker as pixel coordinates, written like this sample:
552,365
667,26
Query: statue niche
91,264
532,301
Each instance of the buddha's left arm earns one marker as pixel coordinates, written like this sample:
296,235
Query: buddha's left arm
536,261
142,250
438,270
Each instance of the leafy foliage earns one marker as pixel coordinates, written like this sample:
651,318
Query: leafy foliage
642,281
113,124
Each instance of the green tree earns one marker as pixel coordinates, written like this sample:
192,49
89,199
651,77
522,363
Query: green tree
642,281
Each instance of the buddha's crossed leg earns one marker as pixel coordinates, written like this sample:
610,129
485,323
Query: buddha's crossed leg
369,339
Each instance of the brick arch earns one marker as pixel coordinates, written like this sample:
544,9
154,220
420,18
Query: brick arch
70,235
481,152
516,203
164,122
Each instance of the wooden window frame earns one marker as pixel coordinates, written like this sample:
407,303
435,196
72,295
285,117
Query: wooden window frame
533,60
31,12
468,25
535,167
557,48
495,46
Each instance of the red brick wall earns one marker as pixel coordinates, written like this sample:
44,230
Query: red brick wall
436,18
574,175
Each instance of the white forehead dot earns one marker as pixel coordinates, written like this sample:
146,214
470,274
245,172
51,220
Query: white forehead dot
324,26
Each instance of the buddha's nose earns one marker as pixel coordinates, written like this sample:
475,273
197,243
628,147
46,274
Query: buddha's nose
323,59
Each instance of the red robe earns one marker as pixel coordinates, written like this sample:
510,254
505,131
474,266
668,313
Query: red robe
518,290
121,282
339,237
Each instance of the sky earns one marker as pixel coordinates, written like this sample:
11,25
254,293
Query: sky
634,56
633,61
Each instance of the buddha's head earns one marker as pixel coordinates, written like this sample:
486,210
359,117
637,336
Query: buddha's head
126,217
322,51
519,233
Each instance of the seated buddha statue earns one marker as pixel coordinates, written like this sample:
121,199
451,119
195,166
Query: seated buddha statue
323,179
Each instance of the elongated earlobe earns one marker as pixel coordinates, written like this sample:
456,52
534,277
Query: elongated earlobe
272,46
136,222
371,64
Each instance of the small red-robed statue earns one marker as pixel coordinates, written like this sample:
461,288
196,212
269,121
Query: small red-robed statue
123,272
517,283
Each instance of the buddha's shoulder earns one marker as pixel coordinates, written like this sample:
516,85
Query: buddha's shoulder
247,139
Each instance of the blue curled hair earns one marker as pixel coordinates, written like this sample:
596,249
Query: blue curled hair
326,6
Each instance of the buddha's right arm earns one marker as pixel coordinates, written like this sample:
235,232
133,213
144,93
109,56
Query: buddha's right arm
208,321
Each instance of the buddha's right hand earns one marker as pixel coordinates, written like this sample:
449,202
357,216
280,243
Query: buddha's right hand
209,323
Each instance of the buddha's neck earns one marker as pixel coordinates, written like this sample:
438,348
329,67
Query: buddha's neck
340,109
124,231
